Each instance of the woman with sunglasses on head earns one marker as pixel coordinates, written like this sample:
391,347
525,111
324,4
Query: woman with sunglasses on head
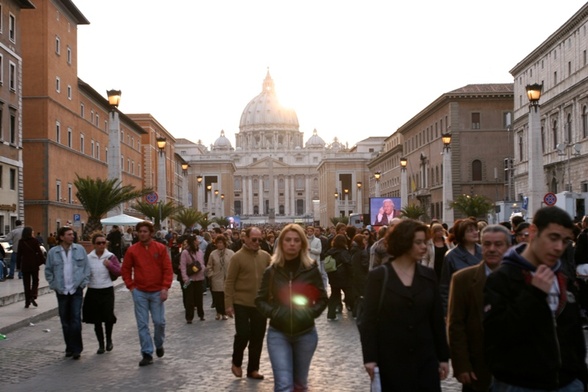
291,296
98,305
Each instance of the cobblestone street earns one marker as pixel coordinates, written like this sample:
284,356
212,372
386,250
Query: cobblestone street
197,357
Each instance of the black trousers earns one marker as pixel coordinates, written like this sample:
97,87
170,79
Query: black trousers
250,328
193,298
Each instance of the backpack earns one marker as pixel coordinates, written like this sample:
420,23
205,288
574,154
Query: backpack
330,264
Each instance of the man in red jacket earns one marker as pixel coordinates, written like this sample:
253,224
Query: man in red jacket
147,273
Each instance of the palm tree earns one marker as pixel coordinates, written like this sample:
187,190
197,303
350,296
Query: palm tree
98,196
339,219
221,221
188,217
158,211
413,211
475,205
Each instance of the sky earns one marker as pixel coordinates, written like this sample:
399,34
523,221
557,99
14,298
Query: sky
349,69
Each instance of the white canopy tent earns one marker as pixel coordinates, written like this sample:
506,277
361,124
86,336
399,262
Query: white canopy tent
121,220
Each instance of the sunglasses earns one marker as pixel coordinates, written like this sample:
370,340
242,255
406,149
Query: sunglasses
100,242
255,239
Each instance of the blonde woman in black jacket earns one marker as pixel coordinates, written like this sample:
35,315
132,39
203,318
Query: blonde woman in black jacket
292,295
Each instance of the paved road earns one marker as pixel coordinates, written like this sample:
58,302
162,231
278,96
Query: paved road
197,357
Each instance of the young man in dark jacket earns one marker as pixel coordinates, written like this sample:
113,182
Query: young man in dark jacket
532,330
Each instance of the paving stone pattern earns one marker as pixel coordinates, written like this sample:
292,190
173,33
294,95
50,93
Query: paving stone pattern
197,357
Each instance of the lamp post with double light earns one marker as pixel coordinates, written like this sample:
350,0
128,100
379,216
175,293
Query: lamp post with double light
403,183
377,176
448,216
359,198
114,153
537,186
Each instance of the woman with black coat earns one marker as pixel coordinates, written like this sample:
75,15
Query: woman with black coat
405,336
340,280
29,259
360,264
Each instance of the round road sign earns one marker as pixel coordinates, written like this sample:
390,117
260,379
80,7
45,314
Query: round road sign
550,199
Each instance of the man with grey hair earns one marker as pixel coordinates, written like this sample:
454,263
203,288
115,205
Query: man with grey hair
465,312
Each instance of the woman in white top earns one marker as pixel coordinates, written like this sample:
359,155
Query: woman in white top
98,305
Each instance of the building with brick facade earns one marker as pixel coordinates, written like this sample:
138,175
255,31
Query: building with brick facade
65,121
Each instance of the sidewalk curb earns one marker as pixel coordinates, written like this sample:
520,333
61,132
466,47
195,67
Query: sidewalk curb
38,317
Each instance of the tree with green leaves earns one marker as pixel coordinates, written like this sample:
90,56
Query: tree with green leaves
158,211
221,221
98,196
189,216
413,211
339,219
474,205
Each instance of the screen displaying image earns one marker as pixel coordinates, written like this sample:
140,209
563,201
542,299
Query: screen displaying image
383,210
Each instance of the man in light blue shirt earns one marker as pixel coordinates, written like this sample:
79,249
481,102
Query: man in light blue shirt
67,271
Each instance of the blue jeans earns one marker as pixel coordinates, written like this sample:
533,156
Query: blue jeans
70,314
13,266
290,357
146,302
574,386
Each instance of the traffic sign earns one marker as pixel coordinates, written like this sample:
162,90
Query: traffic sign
550,199
152,198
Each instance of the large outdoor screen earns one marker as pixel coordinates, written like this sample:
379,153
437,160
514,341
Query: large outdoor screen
383,209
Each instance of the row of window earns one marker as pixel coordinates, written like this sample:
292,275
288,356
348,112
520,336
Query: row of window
427,135
95,151
299,206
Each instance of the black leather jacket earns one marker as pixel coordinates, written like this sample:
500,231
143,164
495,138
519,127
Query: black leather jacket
291,300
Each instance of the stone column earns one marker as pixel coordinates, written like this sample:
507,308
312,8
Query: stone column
250,195
286,196
260,197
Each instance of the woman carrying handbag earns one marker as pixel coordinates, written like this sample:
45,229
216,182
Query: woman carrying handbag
192,269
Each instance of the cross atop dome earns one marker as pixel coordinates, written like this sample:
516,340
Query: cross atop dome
268,83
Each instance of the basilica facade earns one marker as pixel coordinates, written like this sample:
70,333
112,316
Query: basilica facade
271,175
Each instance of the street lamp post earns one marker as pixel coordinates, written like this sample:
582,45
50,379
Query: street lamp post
216,206
222,204
359,198
336,203
185,167
346,201
403,183
209,196
114,153
161,180
200,193
537,187
448,216
377,176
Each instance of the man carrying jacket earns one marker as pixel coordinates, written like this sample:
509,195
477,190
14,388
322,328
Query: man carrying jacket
532,330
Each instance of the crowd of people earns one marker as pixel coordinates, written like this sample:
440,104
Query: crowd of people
504,304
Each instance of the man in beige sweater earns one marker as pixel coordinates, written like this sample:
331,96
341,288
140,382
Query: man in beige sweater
241,286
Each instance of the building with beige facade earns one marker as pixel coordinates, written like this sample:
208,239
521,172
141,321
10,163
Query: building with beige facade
272,175
560,64
477,117
11,84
